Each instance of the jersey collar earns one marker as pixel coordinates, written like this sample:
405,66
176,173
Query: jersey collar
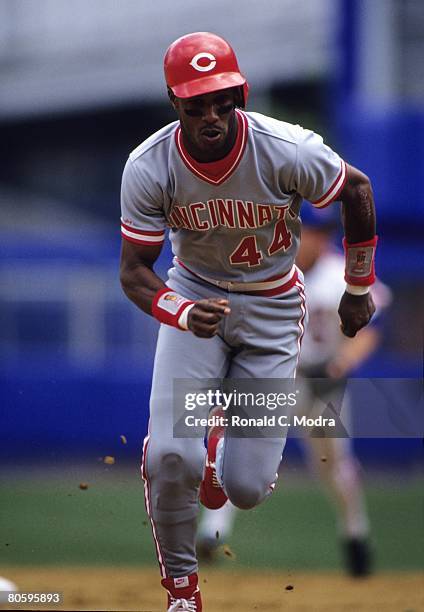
219,171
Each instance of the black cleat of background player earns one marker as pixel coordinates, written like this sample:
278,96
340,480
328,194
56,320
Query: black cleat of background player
357,557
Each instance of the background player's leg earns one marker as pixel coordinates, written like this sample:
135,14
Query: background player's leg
335,463
214,528
173,467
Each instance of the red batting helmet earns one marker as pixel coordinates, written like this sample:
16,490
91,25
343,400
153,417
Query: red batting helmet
200,63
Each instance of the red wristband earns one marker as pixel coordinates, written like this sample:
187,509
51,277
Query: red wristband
359,258
168,306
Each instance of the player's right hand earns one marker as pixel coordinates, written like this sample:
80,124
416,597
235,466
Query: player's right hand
355,312
205,316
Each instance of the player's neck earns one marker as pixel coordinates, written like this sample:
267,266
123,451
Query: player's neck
212,155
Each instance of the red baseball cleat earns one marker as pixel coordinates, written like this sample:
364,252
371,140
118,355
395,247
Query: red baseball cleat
212,495
183,594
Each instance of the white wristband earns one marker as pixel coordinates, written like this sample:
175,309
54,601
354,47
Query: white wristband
357,290
182,321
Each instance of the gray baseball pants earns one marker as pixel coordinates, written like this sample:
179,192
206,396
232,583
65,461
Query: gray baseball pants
259,339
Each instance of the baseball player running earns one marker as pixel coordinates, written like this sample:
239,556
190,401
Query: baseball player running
229,184
326,353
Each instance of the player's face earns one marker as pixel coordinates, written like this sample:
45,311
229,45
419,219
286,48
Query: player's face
208,124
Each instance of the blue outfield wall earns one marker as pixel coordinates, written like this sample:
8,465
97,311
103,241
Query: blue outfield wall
51,418
388,144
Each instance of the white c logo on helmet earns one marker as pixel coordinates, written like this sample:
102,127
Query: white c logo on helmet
195,62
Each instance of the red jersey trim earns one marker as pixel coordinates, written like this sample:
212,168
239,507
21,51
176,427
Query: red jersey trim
196,168
143,237
142,242
142,232
334,191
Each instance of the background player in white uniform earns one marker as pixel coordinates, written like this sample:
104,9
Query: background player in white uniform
229,184
325,353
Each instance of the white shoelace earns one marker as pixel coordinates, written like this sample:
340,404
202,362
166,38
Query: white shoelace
182,605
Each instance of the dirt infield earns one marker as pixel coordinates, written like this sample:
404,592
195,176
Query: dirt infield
138,589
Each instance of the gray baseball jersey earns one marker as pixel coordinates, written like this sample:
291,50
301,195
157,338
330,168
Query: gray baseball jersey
239,223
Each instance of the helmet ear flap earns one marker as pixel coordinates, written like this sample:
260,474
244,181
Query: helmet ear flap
239,98
171,95
244,92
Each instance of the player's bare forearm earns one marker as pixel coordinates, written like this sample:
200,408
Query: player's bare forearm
358,210
138,279
140,284
358,215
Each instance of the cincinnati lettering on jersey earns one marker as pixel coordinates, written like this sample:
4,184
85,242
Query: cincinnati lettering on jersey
234,214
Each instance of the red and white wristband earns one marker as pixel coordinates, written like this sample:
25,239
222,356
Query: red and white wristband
171,308
359,265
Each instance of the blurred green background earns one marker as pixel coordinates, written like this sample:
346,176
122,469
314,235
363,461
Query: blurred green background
48,520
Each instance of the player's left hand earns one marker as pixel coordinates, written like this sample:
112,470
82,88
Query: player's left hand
355,312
